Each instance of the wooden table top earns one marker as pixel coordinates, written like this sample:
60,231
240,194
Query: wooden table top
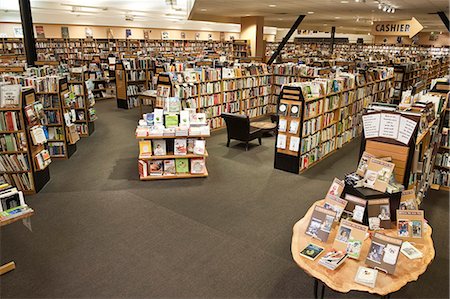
342,279
14,219
265,125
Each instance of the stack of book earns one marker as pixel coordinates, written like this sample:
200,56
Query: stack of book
333,259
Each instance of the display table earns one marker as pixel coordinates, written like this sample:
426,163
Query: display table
265,126
342,279
11,265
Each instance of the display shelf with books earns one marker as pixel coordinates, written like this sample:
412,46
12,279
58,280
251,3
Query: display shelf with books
333,109
132,77
83,101
172,143
24,158
241,48
61,136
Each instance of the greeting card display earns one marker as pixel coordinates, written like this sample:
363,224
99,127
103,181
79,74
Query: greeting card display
336,204
378,174
320,223
383,253
410,223
408,200
379,214
336,187
350,237
363,163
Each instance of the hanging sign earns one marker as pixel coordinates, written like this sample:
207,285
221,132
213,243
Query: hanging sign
398,28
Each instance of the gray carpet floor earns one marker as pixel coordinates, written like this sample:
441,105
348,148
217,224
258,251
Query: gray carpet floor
99,232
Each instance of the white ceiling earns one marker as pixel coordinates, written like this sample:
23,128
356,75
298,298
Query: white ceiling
348,17
144,13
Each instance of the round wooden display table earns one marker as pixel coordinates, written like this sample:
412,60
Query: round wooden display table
342,279
265,126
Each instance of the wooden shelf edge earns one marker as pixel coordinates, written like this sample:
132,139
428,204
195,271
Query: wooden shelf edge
177,176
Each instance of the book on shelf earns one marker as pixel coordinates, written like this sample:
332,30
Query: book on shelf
38,135
182,165
180,147
159,147
145,148
169,167
156,167
198,166
10,95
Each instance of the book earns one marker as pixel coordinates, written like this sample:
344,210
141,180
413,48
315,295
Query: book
37,135
10,95
383,253
159,147
180,147
410,251
143,168
10,199
198,166
378,174
355,208
336,188
171,121
282,124
378,211
156,167
408,200
169,167
65,32
182,165
190,145
145,148
363,163
336,204
332,259
281,141
311,251
184,118
410,223
199,147
158,116
320,224
366,276
293,126
350,237
294,143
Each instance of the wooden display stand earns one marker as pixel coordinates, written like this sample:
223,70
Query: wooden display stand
123,81
11,265
342,279
85,126
286,159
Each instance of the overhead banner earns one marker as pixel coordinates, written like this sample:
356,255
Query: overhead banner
397,28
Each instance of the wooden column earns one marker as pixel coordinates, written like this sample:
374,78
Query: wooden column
252,29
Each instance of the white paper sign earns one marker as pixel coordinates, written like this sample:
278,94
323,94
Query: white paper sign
371,123
281,141
389,124
406,129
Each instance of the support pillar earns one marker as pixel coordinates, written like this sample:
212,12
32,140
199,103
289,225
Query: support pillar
333,32
28,32
252,29
444,19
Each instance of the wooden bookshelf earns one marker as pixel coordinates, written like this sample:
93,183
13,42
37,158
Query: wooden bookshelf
77,86
241,49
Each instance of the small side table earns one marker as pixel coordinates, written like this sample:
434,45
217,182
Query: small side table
265,126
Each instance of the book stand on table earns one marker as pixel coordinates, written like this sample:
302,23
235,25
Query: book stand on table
11,265
342,279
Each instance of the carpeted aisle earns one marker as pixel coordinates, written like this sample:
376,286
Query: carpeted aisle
99,232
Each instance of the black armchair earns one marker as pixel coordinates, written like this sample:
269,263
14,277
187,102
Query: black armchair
238,128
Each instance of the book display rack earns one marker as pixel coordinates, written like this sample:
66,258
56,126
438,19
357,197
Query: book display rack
83,102
24,158
132,77
172,145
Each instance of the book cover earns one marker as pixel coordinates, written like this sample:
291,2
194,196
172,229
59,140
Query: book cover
40,31
336,188
158,116
169,167
145,148
332,259
180,147
383,252
336,204
171,121
182,165
363,163
320,223
143,168
159,147
10,95
350,237
156,167
198,166
282,124
366,276
65,32
355,208
408,200
378,174
88,32
311,251
184,118
410,251
199,147
410,223
190,145
379,214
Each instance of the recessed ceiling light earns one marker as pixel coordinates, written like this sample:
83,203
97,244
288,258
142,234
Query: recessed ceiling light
280,19
310,12
344,1
337,17
325,24
203,9
272,5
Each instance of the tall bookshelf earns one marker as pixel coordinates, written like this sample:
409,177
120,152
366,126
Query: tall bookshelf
241,48
60,143
77,86
22,170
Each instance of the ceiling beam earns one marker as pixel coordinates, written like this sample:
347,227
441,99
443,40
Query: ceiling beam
444,19
286,38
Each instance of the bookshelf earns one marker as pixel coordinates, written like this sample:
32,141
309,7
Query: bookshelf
82,102
60,143
24,165
132,77
241,48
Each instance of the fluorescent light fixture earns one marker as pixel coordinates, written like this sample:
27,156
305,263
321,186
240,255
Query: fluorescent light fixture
337,17
85,7
272,5
310,12
344,1
385,8
392,9
380,6
203,9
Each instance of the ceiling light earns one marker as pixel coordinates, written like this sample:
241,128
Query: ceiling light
272,5
344,1
385,8
388,10
380,6
356,0
337,17
392,9
310,12
203,9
